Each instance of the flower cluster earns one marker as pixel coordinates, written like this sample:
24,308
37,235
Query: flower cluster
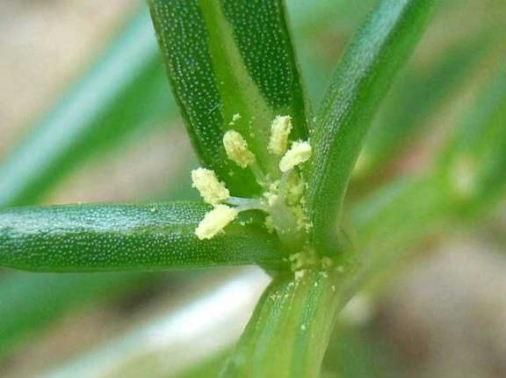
283,196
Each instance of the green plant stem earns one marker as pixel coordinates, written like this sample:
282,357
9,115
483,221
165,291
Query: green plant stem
288,334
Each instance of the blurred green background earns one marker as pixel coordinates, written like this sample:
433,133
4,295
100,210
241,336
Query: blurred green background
86,116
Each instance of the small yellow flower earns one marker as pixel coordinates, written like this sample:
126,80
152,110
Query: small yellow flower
283,194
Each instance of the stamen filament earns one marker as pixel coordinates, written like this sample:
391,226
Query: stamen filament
244,204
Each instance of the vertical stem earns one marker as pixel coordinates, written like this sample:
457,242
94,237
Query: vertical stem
290,328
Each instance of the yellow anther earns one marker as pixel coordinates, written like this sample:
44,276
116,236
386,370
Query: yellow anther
215,221
237,150
210,188
280,130
299,153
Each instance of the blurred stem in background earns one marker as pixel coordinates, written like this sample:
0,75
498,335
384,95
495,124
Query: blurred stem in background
31,301
420,94
123,91
160,347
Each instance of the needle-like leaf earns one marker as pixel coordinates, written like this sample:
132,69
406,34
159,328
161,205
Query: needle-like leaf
363,76
230,58
85,238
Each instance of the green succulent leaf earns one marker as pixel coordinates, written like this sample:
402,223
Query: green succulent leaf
226,58
362,78
125,237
